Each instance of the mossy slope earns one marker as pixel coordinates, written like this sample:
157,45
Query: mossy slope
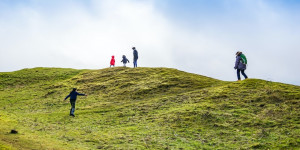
145,108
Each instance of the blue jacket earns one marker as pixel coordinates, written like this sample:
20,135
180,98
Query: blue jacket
135,55
239,64
125,60
73,95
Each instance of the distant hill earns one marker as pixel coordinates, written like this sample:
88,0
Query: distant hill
145,108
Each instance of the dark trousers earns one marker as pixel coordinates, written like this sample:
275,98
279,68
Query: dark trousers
134,63
72,110
243,73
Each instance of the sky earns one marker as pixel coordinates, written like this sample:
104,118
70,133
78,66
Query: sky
196,36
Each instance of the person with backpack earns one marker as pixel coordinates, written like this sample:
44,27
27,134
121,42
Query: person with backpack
124,60
135,57
73,96
112,61
240,65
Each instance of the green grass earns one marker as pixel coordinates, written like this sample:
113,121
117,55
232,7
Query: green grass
145,108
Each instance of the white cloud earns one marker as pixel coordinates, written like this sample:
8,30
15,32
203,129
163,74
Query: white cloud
87,38
74,35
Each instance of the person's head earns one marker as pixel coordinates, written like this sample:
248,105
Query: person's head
124,56
112,56
238,53
133,48
74,89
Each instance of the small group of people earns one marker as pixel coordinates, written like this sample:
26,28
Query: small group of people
73,94
240,66
125,60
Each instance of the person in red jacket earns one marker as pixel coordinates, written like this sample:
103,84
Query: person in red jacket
112,61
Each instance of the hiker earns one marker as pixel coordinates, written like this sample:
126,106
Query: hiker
135,57
240,65
125,60
112,61
73,96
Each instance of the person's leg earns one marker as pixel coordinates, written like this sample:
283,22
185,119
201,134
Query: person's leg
72,107
135,63
243,73
238,74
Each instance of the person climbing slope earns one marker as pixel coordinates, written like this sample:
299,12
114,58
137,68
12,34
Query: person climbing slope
240,65
112,61
124,60
135,57
73,96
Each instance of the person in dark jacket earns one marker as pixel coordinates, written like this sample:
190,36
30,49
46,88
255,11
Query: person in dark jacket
135,57
240,66
124,60
73,96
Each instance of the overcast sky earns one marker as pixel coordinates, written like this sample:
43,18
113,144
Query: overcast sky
197,36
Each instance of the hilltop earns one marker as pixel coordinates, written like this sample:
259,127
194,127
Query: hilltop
145,108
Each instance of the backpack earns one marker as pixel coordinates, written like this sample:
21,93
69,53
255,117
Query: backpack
243,59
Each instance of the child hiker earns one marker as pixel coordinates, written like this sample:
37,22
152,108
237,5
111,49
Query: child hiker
112,61
240,65
73,96
125,60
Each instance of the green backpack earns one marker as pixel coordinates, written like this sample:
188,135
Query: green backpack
244,59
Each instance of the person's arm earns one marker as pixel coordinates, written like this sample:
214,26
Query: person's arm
81,94
67,97
135,54
237,61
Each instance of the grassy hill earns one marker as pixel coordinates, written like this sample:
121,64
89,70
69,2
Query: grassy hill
145,108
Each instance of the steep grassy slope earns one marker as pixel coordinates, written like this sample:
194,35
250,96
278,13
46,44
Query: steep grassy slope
145,108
